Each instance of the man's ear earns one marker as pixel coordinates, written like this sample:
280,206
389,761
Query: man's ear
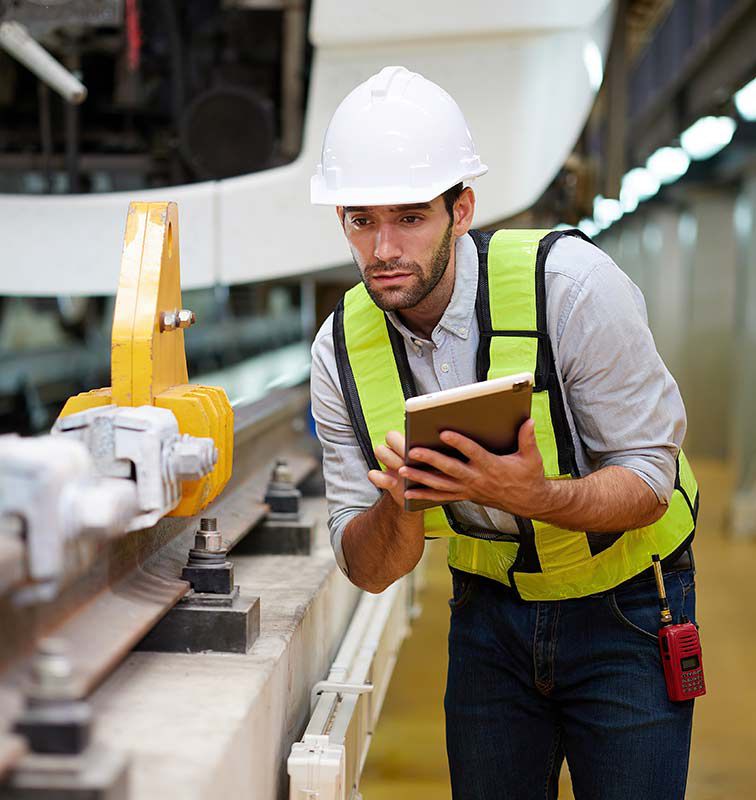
464,210
340,214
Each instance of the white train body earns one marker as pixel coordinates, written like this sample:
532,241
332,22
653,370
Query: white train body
523,73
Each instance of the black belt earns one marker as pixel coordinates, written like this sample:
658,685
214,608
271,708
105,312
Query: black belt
676,562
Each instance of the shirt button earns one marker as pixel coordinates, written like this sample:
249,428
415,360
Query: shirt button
462,331
444,368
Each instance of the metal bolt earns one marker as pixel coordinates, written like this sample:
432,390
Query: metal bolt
208,538
168,321
282,472
51,669
282,495
185,318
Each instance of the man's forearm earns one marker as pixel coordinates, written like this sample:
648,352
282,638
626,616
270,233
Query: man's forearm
382,544
610,499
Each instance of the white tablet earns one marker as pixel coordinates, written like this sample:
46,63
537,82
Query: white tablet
489,412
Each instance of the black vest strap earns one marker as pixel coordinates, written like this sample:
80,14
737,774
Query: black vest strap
406,378
565,445
482,305
692,504
546,378
349,388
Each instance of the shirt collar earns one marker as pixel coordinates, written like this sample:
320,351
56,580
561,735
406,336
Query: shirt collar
458,317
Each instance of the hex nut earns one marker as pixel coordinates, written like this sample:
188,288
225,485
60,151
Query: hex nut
168,321
185,318
210,542
207,537
192,457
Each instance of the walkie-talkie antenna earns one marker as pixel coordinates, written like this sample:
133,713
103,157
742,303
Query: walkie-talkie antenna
664,612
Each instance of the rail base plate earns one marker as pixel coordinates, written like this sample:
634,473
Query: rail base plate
279,537
95,774
223,623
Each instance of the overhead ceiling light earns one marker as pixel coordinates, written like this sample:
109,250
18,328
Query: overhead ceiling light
594,64
640,183
589,227
606,211
667,164
628,200
706,137
745,101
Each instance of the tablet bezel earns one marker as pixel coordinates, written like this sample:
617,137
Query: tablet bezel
458,393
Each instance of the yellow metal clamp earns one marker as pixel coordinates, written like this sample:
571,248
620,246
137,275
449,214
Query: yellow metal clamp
147,358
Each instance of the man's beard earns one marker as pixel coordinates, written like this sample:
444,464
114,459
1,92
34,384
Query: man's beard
400,298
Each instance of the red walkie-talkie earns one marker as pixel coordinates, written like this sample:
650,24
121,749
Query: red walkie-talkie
680,648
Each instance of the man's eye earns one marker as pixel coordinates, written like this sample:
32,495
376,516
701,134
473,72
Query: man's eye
359,222
411,219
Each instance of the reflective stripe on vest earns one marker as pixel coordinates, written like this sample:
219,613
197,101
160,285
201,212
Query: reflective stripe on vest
541,562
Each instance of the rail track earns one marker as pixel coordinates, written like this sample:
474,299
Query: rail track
115,591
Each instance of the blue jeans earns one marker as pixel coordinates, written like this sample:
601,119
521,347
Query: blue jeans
531,683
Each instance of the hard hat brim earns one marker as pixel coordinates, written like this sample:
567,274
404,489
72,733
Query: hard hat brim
322,195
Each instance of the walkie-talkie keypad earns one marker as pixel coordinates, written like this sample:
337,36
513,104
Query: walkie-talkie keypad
692,682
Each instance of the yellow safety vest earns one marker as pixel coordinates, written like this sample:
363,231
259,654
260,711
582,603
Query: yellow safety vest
541,562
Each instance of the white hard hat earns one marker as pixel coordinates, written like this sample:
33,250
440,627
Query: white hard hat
397,138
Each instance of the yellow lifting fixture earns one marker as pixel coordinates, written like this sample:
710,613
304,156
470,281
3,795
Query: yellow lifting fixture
147,358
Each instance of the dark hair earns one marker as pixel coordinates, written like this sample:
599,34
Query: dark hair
450,198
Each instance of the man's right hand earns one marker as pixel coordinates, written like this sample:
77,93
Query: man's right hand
384,542
392,455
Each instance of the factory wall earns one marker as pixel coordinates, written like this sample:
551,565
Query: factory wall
694,258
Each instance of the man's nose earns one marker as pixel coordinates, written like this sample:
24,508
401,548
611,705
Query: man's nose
387,247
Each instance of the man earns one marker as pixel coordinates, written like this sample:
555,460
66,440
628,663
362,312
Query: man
553,650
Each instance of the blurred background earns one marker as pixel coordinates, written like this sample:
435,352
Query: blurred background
634,120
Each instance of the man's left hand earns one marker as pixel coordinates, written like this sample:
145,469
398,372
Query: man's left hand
513,483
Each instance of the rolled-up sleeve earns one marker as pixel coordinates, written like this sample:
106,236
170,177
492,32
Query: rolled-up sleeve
625,403
348,489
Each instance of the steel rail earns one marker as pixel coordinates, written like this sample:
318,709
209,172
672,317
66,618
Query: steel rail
103,610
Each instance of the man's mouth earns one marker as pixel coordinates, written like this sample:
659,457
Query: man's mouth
389,278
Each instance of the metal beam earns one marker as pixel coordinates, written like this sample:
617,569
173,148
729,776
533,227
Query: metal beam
719,66
294,41
616,104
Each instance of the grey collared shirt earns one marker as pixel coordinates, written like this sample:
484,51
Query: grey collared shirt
623,406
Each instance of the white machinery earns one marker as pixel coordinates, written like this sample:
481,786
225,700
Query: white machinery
524,74
79,480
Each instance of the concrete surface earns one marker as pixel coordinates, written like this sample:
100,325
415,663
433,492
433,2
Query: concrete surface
214,725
